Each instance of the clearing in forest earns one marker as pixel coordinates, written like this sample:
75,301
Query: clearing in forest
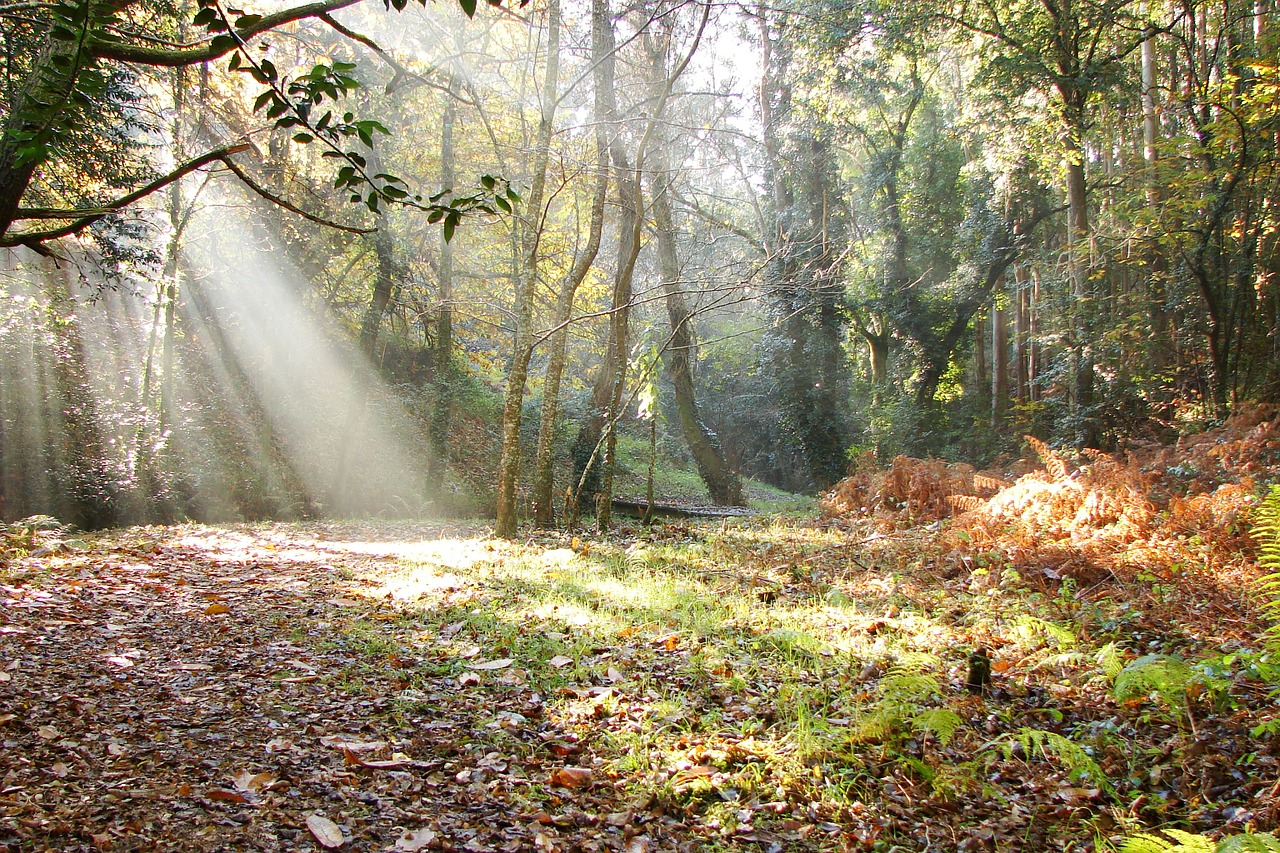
742,684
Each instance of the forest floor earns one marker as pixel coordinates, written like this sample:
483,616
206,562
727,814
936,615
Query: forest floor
761,684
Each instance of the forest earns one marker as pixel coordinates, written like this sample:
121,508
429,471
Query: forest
665,425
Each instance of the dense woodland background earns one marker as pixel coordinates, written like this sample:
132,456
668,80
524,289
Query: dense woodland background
759,242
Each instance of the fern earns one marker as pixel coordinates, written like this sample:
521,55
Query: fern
1160,675
1180,841
1031,626
1079,764
1263,842
1110,660
1266,533
1183,842
941,722
904,688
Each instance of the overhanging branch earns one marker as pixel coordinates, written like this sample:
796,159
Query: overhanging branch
85,218
178,57
280,202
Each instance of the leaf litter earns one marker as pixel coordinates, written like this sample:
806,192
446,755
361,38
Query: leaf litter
751,686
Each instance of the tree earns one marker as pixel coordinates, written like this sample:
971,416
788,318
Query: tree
65,65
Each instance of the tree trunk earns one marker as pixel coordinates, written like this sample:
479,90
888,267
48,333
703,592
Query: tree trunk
526,290
999,366
543,501
597,431
721,481
1021,305
442,377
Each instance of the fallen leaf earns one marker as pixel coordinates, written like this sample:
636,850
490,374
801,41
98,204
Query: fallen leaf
500,663
117,748
613,674
194,667
560,661
346,742
120,661
468,678
216,609
411,842
328,833
225,796
60,770
48,733
571,777
253,782
4,718
4,676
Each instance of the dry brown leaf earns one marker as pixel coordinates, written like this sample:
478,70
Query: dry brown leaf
120,661
418,839
4,718
341,741
468,678
328,833
560,661
224,796
254,782
571,777
500,663
48,733
216,609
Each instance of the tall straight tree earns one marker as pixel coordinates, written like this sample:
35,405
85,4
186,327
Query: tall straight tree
721,481
806,290
526,292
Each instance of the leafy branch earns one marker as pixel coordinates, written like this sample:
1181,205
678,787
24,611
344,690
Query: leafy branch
300,105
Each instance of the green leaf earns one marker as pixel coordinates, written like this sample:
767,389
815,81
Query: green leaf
449,225
488,182
469,7
303,138
246,21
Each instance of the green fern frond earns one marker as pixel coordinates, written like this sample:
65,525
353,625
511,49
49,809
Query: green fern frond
1079,764
1183,842
1160,675
1062,659
1032,626
1263,842
1145,842
1266,533
942,723
903,689
1110,660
